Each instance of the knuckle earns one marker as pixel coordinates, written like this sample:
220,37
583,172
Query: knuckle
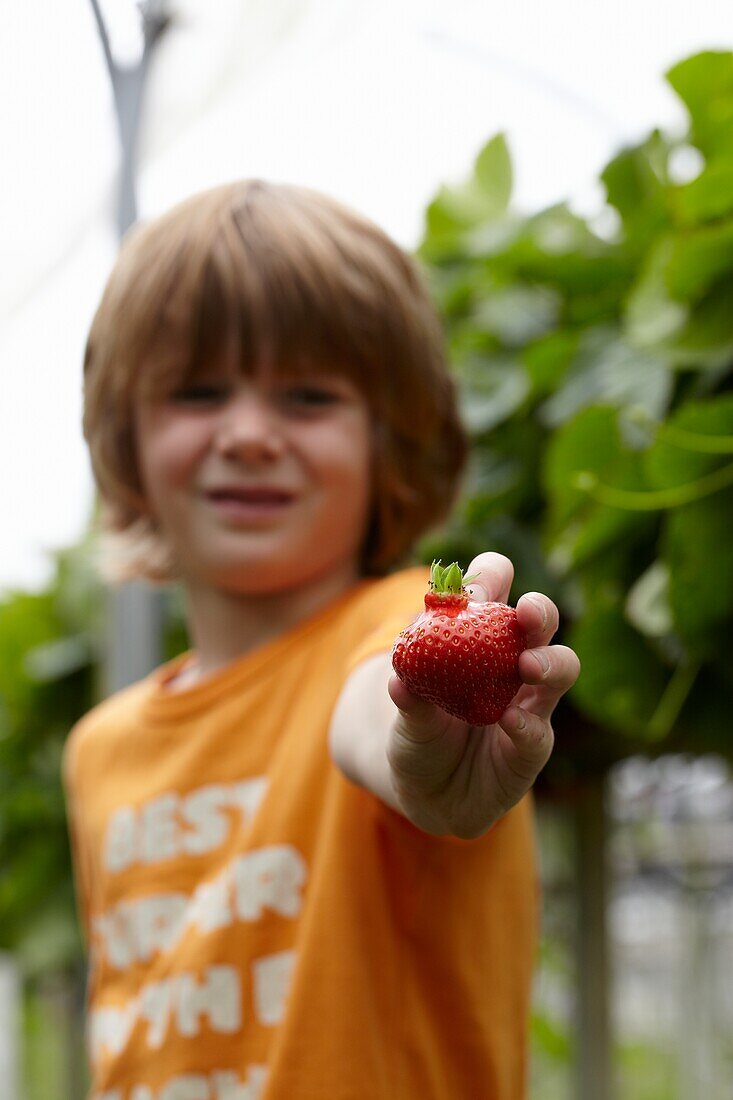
491,566
547,609
570,662
468,830
489,559
537,751
536,739
563,665
409,760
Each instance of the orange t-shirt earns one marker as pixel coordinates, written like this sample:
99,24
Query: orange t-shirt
258,927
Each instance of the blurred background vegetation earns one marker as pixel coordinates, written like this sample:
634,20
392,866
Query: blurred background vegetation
594,362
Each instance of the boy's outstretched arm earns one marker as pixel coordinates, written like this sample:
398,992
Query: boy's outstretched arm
446,777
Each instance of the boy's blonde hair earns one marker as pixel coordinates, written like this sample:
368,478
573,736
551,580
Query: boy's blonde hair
292,280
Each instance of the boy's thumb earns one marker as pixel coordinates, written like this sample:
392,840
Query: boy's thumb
419,720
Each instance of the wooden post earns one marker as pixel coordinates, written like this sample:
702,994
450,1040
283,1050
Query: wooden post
593,1059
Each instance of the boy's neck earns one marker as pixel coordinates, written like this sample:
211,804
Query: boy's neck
224,625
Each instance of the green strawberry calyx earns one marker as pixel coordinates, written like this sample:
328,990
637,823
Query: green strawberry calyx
448,580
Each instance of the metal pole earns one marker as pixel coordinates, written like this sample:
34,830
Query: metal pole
135,609
594,1074
11,1002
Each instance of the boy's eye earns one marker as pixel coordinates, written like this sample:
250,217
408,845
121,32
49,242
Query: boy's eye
199,394
296,397
310,396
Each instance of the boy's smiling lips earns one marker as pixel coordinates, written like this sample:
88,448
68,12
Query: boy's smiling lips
249,503
250,494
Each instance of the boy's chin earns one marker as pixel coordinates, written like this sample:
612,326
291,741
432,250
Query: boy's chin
240,580
266,576
250,578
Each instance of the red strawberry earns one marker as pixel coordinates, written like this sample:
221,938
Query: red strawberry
461,654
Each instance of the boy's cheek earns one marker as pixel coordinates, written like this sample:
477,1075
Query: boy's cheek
171,459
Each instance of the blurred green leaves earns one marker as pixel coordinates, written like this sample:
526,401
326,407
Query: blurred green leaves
484,197
595,380
704,83
48,653
51,655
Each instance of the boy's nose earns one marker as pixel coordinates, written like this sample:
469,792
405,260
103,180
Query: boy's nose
249,429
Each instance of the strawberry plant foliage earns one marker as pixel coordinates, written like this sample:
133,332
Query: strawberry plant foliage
51,653
594,362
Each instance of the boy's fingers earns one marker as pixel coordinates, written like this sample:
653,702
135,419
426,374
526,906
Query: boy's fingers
419,749
419,720
538,617
553,669
493,575
531,736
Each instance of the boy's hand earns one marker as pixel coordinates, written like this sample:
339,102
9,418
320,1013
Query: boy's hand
452,778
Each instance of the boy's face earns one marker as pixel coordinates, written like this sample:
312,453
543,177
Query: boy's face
259,486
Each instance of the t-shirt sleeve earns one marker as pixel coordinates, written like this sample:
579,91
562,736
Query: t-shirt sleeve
400,601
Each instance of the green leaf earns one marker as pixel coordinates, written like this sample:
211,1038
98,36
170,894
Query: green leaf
636,186
483,198
547,360
556,249
696,542
491,390
697,259
607,370
578,527
647,605
492,238
556,231
651,316
704,82
516,314
50,940
708,196
706,339
685,334
492,483
26,620
493,174
551,1038
453,289
698,550
622,680
699,727
696,440
59,658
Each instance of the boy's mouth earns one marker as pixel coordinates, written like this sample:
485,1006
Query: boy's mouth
248,505
250,495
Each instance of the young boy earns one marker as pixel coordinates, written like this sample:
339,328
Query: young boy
297,880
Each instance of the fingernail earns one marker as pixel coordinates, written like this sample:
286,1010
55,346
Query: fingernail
521,720
542,660
540,605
